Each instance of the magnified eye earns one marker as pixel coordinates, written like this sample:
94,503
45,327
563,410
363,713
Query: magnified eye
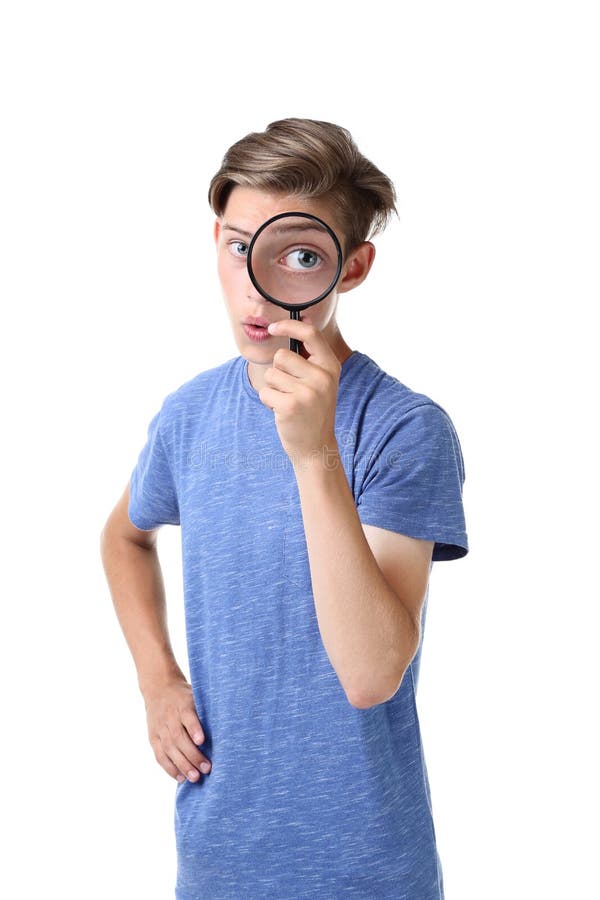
302,258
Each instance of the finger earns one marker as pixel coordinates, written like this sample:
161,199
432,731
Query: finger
313,340
193,726
163,760
191,752
169,767
181,761
280,380
290,362
183,752
294,328
269,396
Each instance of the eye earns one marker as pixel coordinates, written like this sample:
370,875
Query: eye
238,248
302,258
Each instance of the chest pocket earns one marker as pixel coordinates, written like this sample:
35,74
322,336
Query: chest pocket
296,567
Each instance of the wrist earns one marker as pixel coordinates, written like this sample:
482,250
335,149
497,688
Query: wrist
155,679
326,458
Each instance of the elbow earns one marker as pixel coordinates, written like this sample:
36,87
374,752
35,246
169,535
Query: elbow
106,536
105,546
377,696
361,704
386,687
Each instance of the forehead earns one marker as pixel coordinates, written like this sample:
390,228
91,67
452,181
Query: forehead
247,208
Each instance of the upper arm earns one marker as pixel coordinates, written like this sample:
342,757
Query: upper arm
120,525
413,480
404,563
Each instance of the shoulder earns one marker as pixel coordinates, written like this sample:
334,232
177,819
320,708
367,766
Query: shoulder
388,405
208,385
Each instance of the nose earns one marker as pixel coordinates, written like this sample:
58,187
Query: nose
254,296
251,292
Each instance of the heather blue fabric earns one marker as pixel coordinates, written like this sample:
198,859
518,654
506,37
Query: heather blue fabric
308,796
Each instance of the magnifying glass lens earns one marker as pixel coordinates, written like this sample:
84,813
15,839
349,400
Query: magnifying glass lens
295,260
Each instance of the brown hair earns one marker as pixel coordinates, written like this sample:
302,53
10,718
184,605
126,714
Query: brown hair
309,159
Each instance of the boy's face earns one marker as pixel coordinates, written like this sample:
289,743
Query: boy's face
246,210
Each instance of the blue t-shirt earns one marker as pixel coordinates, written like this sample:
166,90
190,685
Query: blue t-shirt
308,796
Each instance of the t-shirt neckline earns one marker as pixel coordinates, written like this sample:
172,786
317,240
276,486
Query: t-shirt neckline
348,364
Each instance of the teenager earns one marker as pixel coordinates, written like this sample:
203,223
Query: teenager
314,491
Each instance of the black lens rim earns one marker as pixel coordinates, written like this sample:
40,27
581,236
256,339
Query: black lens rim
292,306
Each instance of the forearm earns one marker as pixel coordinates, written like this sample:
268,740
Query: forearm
137,589
366,631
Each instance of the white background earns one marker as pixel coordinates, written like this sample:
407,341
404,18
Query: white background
115,116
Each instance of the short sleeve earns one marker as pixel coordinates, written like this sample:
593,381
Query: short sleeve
152,492
413,483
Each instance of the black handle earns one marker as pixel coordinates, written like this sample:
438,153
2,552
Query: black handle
294,343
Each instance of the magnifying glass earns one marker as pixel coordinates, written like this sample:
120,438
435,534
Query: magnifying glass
294,260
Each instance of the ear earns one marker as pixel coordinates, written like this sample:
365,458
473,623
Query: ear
217,230
357,267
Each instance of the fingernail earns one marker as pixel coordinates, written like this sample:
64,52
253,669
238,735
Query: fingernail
204,767
272,328
198,738
192,774
180,778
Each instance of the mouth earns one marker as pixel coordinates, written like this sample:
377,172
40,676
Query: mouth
258,322
256,331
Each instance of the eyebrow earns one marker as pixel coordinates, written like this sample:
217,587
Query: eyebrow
281,229
237,230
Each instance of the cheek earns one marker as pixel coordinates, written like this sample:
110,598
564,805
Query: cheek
222,266
228,276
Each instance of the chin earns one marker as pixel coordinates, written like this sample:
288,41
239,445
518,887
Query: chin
261,356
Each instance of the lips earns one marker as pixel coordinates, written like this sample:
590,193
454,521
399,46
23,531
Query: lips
257,322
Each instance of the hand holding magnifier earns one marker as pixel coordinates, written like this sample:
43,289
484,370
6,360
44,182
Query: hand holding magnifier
294,260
